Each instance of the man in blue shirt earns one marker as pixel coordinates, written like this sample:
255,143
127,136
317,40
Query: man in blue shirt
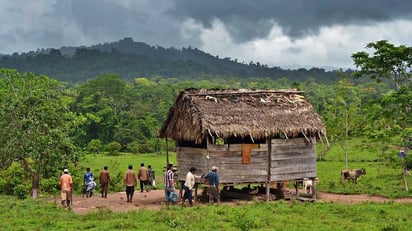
88,181
213,182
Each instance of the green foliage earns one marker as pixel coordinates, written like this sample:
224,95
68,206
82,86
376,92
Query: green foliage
15,181
94,146
133,147
36,123
113,148
130,59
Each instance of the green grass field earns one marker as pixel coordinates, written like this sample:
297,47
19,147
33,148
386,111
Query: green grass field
382,178
278,215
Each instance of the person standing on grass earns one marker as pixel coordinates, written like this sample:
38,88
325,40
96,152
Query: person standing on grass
66,187
104,181
130,181
142,175
151,177
189,184
169,184
213,182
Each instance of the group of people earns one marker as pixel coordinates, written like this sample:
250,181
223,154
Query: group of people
146,177
89,185
212,179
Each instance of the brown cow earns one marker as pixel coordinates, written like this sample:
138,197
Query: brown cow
352,174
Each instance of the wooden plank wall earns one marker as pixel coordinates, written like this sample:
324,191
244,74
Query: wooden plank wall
291,159
191,157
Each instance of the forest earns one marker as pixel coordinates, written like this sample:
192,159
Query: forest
49,123
129,59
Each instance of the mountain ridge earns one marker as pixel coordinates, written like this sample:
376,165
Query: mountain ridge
130,59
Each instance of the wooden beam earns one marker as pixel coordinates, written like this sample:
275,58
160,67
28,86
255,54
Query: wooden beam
269,143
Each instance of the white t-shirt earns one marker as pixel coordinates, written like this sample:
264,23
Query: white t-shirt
190,180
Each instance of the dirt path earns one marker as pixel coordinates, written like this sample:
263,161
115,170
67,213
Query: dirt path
154,200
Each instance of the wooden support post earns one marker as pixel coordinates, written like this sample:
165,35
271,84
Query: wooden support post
167,153
314,188
268,180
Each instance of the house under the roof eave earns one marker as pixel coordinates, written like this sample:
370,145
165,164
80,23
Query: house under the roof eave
252,136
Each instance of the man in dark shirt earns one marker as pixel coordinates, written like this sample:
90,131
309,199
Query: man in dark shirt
213,182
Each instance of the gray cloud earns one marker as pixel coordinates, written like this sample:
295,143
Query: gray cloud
243,27
250,19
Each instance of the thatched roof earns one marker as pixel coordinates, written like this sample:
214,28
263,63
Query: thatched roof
241,113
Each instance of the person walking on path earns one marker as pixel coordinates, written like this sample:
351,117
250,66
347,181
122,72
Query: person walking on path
66,187
88,182
104,181
169,185
151,177
130,181
213,182
143,176
189,184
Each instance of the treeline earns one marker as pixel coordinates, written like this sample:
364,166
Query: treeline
129,59
47,124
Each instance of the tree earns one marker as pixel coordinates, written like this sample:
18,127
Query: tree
391,63
36,125
104,101
341,113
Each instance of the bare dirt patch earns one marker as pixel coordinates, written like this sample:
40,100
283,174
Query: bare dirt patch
154,200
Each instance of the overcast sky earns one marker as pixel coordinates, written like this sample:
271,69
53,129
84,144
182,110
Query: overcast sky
285,33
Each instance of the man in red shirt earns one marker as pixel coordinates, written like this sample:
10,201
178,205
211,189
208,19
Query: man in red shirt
66,187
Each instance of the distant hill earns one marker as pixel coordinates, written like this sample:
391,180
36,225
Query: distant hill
130,59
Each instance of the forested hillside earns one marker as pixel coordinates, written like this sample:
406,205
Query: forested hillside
130,59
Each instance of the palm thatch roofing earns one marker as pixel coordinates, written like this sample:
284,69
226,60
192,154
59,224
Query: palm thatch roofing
241,113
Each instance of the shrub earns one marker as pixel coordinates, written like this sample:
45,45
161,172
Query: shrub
133,147
113,148
15,181
94,146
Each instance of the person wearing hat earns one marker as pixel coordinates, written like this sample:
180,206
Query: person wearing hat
130,180
143,177
189,184
213,182
66,187
104,181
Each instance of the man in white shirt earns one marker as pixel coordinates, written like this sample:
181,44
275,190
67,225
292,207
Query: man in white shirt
189,184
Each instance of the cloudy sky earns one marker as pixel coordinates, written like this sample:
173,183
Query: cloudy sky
285,33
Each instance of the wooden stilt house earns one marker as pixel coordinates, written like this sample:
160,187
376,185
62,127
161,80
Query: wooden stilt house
252,136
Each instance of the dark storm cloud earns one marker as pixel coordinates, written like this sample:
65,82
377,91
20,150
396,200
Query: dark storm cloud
252,19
